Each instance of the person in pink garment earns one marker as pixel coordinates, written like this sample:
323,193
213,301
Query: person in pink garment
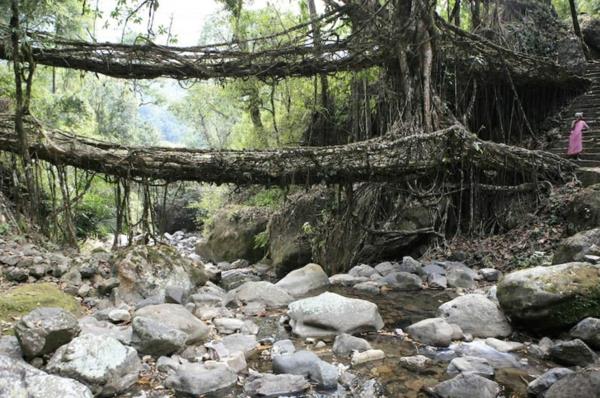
576,137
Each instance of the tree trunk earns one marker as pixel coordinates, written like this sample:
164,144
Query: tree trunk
577,28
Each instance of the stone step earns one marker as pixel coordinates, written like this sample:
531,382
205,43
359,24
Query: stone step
589,175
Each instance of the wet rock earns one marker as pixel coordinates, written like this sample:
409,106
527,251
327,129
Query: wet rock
467,386
551,298
573,352
369,287
437,281
362,270
468,364
90,325
309,365
476,315
166,328
43,330
274,386
18,379
588,330
415,363
102,363
576,247
262,292
433,331
585,383
402,281
359,358
347,280
540,385
495,358
301,281
503,346
199,379
490,274
345,344
329,314
9,346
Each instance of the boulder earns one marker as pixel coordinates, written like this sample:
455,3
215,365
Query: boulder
551,298
301,281
583,211
588,330
576,247
585,383
467,364
572,353
307,364
237,277
283,347
166,328
102,363
289,241
197,379
345,344
437,281
504,346
433,331
386,267
10,347
402,281
362,270
541,384
476,315
240,342
146,271
490,274
415,363
231,235
359,358
467,385
19,379
480,349
262,292
459,275
330,314
43,330
274,386
347,280
90,325
590,28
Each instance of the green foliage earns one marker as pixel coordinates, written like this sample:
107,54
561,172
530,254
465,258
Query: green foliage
4,228
261,240
270,197
213,198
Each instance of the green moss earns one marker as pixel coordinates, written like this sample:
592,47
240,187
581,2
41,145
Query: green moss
23,299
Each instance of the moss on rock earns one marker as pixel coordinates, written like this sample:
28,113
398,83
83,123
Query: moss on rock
23,299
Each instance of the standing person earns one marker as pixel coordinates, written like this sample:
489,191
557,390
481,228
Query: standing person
576,137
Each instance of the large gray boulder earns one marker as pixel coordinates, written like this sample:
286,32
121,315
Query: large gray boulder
330,314
201,378
270,295
19,379
303,280
588,330
467,385
91,325
576,247
166,328
585,383
467,364
102,363
476,315
551,298
43,330
433,331
402,281
146,271
572,353
231,235
309,365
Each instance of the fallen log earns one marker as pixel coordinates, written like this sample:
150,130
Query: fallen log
380,160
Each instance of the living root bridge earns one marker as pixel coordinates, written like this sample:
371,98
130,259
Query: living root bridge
380,160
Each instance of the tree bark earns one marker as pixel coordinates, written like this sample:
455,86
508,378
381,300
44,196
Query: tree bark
577,28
